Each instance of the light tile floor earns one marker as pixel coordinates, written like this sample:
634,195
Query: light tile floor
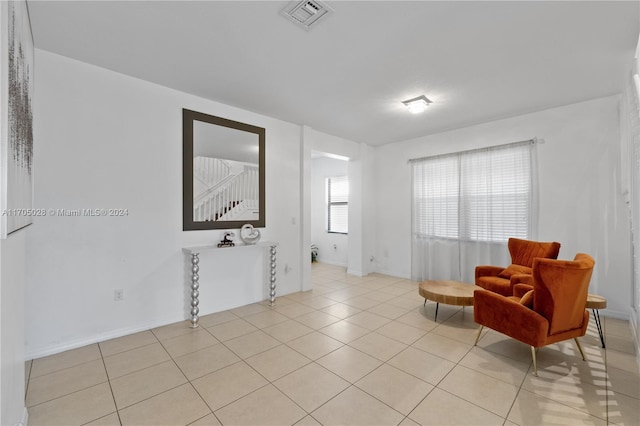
353,351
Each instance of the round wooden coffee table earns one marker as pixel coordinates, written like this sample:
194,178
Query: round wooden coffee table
447,292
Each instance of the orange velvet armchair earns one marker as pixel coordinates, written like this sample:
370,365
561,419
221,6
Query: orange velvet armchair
502,280
553,311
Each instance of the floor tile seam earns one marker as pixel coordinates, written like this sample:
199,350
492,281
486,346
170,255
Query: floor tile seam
240,335
332,398
312,329
378,399
196,351
130,349
119,409
436,355
178,366
292,371
227,311
313,307
239,398
212,372
368,329
611,391
421,401
308,413
285,341
32,377
457,363
385,317
106,376
504,418
494,352
66,394
520,389
344,343
113,396
372,356
322,356
257,353
141,369
396,340
583,410
210,413
26,385
199,328
102,417
317,311
529,367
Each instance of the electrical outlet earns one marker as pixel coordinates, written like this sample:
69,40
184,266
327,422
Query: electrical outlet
118,295
335,247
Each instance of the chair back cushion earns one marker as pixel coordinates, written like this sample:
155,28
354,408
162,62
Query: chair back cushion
560,291
524,251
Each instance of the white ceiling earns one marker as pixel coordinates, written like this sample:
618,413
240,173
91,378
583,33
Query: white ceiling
478,61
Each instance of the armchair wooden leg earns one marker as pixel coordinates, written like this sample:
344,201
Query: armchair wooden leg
535,363
478,336
580,348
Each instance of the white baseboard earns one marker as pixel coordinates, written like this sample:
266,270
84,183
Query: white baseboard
356,273
25,418
332,262
54,349
391,273
635,329
615,314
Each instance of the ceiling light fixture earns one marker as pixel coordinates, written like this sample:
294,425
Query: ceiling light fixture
417,105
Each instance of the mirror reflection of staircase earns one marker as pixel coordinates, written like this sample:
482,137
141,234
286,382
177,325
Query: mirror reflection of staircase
224,190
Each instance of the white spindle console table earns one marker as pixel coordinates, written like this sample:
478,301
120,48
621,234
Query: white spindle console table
195,268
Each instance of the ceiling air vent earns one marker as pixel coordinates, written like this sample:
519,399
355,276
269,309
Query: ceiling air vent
306,13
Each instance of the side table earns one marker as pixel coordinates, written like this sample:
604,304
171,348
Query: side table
595,303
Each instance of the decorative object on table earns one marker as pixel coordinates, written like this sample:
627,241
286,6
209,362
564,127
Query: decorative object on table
248,234
314,253
16,123
227,241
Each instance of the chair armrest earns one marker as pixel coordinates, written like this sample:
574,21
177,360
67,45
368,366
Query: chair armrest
488,271
509,317
520,289
521,279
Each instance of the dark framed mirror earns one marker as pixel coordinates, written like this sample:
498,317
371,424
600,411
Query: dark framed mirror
223,166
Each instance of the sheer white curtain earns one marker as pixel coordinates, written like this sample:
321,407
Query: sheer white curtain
466,206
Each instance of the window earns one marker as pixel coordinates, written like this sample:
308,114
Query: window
338,204
480,195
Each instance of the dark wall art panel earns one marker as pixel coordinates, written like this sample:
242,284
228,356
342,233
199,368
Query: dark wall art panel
17,117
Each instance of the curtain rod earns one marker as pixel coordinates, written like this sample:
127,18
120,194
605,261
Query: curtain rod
528,141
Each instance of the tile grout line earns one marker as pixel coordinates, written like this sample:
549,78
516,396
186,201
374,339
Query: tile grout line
113,397
185,377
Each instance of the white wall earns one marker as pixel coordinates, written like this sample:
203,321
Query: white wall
106,140
321,169
12,322
580,202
